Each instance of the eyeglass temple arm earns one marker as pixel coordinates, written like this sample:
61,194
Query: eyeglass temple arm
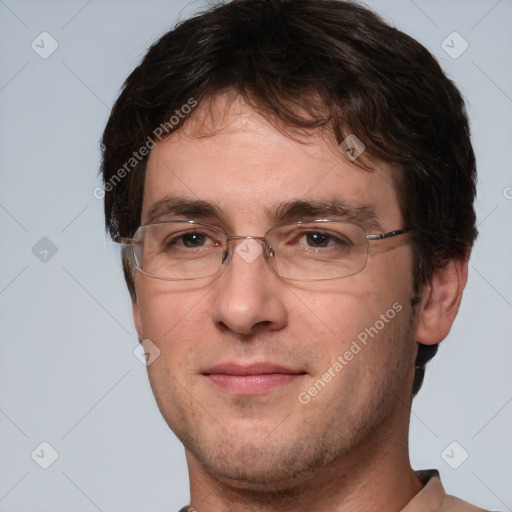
123,240
381,236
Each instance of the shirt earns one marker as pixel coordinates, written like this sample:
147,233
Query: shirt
432,498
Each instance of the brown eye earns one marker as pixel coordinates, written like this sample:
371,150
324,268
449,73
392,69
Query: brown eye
318,239
321,239
189,240
193,239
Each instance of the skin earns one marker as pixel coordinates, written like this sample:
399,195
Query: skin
346,450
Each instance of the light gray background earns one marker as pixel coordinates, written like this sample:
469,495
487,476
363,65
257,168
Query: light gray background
68,375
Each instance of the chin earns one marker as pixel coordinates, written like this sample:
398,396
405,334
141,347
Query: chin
264,477
266,466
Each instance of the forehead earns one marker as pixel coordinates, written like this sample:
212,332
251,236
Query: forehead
231,156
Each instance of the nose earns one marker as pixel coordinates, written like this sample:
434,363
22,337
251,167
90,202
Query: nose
249,295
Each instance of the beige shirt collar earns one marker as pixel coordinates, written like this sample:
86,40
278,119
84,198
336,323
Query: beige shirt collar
433,498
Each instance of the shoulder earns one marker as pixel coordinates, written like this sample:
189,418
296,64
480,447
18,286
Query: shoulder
453,504
433,498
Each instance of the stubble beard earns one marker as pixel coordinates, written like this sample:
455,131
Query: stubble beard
282,462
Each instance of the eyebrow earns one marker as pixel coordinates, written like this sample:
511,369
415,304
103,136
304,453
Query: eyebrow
181,207
289,211
335,209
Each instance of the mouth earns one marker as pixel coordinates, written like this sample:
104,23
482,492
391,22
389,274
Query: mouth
253,379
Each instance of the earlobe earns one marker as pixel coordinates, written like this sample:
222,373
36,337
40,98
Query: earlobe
441,300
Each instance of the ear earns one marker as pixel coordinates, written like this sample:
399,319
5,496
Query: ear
137,320
441,300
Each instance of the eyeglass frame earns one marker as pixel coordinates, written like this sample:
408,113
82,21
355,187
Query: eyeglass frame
267,249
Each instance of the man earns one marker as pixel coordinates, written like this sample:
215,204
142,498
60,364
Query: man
294,183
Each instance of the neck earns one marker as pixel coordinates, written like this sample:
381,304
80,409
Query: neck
376,475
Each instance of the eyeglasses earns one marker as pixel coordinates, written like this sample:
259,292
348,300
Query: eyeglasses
300,251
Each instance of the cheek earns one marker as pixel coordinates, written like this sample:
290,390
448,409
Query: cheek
174,319
370,353
341,309
363,317
175,323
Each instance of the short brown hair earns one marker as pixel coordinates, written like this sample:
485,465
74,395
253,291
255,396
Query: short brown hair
311,64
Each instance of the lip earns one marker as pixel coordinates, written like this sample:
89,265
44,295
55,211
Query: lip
251,379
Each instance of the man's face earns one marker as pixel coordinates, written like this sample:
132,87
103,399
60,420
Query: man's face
270,429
